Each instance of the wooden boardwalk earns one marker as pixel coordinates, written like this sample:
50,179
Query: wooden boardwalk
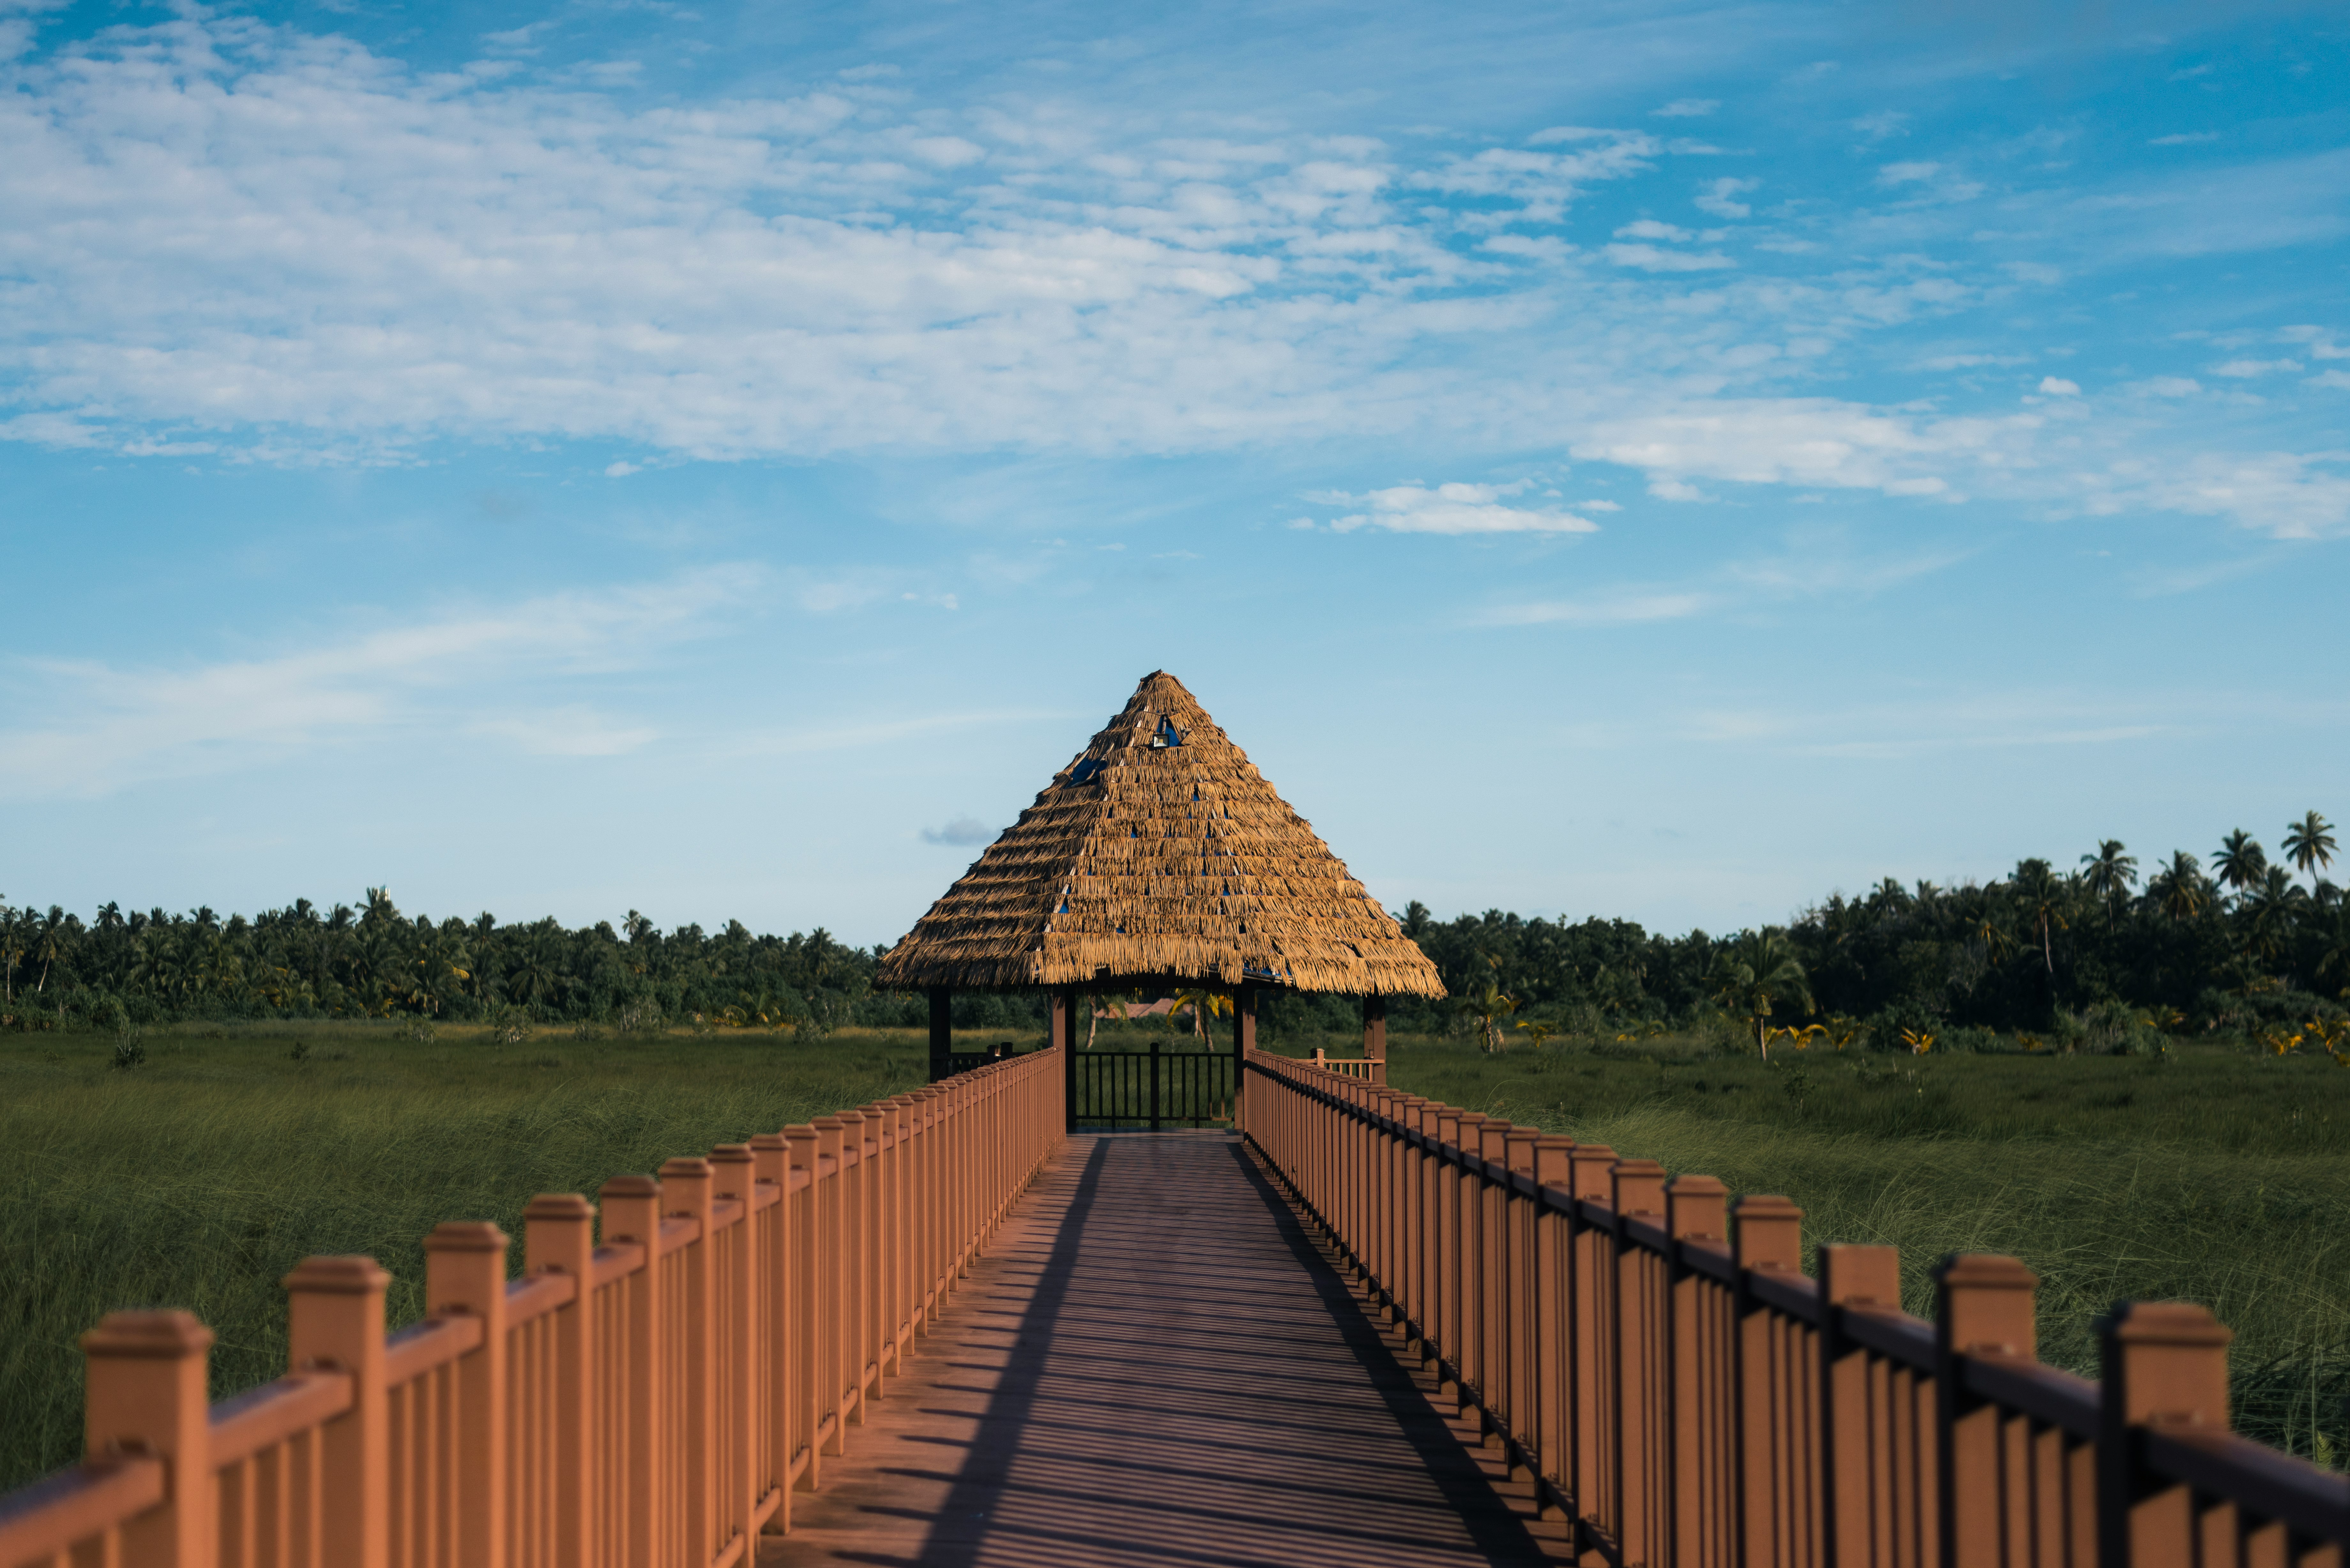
1155,1364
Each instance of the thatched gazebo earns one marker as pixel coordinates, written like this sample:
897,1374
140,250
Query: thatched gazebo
1160,857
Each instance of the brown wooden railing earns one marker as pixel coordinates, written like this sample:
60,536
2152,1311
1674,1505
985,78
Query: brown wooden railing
648,1401
1691,1398
1370,1069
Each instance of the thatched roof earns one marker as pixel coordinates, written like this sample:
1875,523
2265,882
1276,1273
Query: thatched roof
1159,852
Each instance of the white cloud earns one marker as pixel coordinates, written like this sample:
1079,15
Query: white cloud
105,727
1718,197
1648,258
1649,229
963,830
2317,342
2245,369
621,470
2185,138
2287,495
1804,442
2331,378
1907,173
1453,509
2058,387
1624,609
1687,108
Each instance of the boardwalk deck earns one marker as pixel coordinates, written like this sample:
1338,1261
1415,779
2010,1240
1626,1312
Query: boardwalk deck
1155,1365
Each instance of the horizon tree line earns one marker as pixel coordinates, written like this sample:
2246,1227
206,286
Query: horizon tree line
2239,946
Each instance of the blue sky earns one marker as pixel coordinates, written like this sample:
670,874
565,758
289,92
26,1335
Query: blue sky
1666,461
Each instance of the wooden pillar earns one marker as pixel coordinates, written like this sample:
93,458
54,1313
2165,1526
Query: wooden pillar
1244,1041
1375,1036
941,1033
1064,1039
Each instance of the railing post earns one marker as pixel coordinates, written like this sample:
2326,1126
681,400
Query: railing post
465,1275
685,1186
1704,1510
1552,1380
631,1209
145,1393
830,1328
560,1238
1779,1526
783,1328
1850,1464
1593,1338
737,1369
2164,1363
1643,1391
1522,1211
1154,1085
334,1318
1982,1306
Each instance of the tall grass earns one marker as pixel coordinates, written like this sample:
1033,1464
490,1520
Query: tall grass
2210,1175
199,1179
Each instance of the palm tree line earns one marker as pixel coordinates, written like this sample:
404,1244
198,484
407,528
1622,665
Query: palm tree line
371,960
2248,942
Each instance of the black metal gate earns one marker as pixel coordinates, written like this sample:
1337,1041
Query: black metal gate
1154,1088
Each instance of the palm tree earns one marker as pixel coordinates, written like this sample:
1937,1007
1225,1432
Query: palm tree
2273,909
14,935
2309,843
1489,1005
1987,925
2041,894
2180,887
1757,971
49,942
2242,862
2110,875
1205,1004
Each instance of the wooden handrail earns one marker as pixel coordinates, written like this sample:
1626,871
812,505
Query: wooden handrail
1685,1393
671,1385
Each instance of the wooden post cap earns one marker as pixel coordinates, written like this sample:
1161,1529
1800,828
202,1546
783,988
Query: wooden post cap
684,1164
2167,1361
466,1236
1697,1208
342,1276
1985,1304
167,1334
558,1205
629,1186
1639,1187
1770,1233
1860,1276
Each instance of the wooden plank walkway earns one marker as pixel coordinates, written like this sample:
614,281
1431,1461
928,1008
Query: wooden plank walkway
1155,1364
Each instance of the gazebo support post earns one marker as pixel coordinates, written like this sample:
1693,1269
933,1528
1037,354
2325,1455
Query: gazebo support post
941,1033
1064,1035
1375,1036
1244,1041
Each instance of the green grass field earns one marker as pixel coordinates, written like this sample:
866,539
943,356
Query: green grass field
201,1178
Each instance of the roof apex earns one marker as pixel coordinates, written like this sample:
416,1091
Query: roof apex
1159,850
